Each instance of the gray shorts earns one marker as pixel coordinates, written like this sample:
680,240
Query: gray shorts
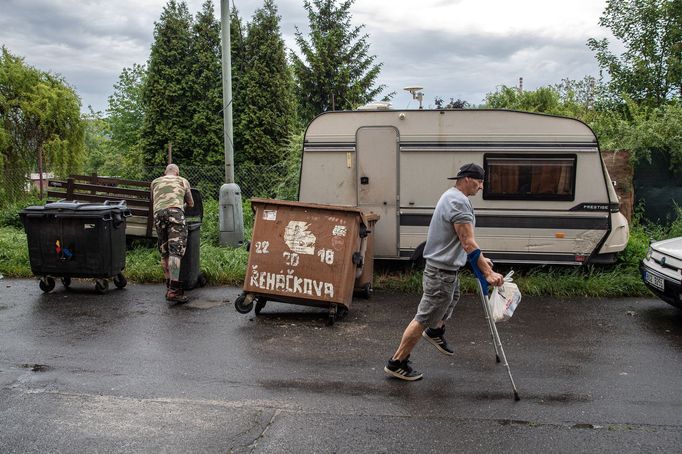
441,293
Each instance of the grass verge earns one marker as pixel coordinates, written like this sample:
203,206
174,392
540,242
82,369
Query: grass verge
609,282
14,253
222,266
226,266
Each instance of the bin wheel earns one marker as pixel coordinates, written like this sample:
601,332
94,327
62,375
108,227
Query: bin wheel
101,286
260,304
367,291
120,280
46,284
240,305
66,282
202,281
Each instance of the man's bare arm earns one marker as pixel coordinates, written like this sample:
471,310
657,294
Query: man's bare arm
465,232
188,197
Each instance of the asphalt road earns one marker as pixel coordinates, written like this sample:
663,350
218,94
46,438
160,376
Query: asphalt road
122,372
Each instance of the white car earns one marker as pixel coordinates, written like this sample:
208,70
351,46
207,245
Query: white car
662,270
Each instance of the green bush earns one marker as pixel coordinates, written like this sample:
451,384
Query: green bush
210,230
9,212
638,244
675,229
287,187
209,226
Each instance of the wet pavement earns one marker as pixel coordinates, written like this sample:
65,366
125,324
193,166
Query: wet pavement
123,372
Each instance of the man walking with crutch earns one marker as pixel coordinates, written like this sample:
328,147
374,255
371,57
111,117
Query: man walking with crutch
449,241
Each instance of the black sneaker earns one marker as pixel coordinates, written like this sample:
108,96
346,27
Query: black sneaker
437,338
402,370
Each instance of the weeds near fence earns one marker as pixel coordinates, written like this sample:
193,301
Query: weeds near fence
14,253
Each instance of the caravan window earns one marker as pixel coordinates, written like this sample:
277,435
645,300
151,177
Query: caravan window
529,177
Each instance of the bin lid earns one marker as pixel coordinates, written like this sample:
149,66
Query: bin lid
198,209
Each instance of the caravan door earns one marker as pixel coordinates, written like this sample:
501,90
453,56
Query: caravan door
377,183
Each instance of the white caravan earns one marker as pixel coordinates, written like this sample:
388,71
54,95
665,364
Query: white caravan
547,197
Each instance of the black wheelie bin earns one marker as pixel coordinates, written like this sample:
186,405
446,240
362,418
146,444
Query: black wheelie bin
68,239
190,271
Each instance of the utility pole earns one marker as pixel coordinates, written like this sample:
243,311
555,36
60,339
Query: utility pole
230,215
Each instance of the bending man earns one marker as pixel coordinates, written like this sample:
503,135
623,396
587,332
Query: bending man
169,193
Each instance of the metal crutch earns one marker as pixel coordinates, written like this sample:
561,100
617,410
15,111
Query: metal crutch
483,292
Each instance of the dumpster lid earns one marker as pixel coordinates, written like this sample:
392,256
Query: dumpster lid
73,205
366,216
319,206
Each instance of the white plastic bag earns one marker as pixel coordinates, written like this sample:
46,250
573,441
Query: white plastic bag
504,300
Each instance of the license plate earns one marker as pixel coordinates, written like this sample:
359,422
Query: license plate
655,281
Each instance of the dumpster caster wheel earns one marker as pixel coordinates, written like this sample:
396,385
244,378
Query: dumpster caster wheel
260,304
101,286
241,305
66,282
202,281
46,284
332,315
367,291
120,280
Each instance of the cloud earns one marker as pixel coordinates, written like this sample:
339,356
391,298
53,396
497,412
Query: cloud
468,66
454,48
87,42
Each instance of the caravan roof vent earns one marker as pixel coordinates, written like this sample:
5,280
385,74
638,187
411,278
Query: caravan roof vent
376,105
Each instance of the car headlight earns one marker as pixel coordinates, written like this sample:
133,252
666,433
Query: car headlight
648,254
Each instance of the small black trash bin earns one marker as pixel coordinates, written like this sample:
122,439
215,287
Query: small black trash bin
190,271
77,240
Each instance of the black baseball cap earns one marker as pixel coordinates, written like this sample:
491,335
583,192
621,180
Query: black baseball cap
470,170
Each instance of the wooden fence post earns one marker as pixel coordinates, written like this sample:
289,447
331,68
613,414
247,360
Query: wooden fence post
69,189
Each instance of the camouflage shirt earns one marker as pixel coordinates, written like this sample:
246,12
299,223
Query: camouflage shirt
170,191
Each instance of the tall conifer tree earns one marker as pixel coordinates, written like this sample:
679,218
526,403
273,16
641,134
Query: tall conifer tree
207,92
167,90
267,91
238,49
335,70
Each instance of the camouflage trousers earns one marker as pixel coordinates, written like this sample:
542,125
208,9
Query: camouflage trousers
171,230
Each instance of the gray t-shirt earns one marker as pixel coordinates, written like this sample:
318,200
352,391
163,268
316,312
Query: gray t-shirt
443,249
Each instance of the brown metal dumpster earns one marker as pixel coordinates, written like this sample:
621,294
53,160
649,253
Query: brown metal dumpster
310,254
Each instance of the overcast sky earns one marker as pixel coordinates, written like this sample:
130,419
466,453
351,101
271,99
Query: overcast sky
453,48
